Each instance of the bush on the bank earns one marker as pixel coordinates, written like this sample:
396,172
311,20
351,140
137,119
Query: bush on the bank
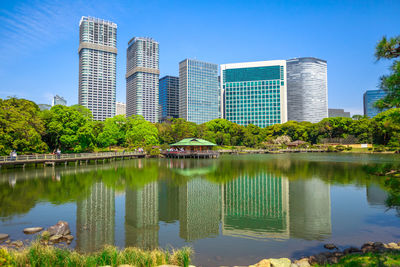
349,148
5,258
340,148
39,255
331,149
379,148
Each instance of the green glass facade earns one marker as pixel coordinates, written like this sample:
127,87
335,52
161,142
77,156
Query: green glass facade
253,94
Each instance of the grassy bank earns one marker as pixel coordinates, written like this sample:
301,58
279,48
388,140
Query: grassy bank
39,255
390,258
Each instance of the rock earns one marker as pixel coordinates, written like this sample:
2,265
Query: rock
61,228
318,259
378,244
392,245
17,243
32,230
366,249
338,254
127,265
3,236
8,241
333,260
282,262
302,262
263,263
351,250
55,238
165,265
330,246
46,235
69,237
368,244
294,265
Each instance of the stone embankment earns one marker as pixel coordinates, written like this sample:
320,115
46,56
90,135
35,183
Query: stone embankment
329,257
57,233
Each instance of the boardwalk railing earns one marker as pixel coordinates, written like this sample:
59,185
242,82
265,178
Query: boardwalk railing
37,157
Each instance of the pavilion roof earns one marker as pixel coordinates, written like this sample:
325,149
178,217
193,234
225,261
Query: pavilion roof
193,142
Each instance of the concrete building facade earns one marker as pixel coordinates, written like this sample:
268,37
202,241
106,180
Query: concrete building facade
97,66
337,112
120,109
307,89
142,77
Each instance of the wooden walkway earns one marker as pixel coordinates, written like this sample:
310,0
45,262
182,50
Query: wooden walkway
50,159
266,151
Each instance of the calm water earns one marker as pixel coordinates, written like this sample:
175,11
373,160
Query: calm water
233,210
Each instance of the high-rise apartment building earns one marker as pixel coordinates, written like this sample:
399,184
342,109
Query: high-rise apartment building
142,76
254,92
370,98
198,91
169,97
58,100
307,89
97,66
120,108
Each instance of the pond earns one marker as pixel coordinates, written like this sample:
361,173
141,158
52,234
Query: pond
235,210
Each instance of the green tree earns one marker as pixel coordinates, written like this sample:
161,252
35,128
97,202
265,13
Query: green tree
69,128
181,129
389,49
386,130
113,132
141,132
21,127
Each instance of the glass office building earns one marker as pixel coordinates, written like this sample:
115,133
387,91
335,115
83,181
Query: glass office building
58,100
254,92
370,97
198,91
169,97
97,66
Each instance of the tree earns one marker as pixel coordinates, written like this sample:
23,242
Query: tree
141,132
69,128
113,132
389,49
21,127
386,130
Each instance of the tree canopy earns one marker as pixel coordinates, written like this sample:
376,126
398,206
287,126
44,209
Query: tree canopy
389,49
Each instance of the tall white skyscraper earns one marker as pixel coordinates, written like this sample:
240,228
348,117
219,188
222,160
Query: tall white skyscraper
307,89
142,76
97,66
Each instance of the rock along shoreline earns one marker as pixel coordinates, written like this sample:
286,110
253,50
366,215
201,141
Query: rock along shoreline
330,257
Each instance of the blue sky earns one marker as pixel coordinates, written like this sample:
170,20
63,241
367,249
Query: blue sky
39,39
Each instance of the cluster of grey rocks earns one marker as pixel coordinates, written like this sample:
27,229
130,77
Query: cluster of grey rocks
329,257
57,233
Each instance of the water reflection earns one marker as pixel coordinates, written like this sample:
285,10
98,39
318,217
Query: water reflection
252,197
95,219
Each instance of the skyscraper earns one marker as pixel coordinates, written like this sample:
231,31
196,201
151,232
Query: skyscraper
307,89
142,74
97,66
370,97
198,91
169,97
254,92
58,100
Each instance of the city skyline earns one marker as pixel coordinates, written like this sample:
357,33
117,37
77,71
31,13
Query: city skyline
43,36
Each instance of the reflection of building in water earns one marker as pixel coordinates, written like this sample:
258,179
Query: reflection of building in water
168,201
199,209
96,219
376,196
141,216
256,207
310,209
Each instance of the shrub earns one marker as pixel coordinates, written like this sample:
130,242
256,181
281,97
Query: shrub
5,258
340,148
331,149
349,148
379,148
